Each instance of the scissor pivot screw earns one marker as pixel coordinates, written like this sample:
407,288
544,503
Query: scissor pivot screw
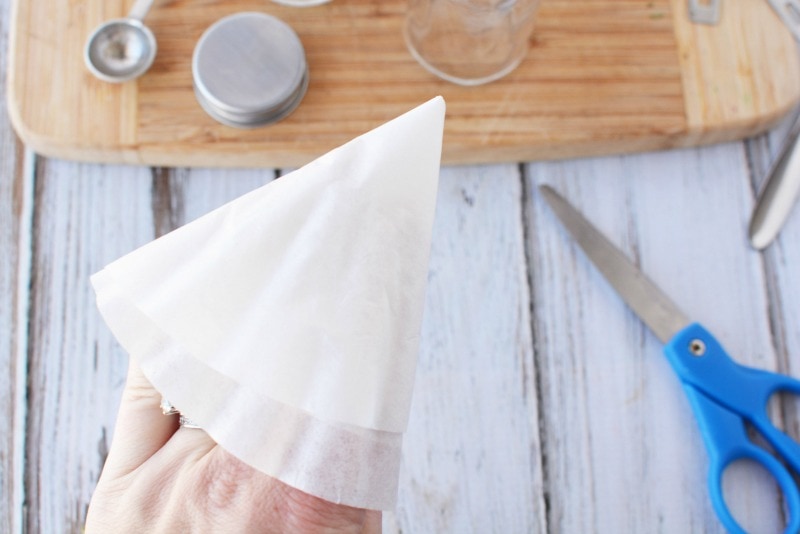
697,347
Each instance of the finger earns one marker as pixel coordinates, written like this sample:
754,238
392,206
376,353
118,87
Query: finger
142,429
190,443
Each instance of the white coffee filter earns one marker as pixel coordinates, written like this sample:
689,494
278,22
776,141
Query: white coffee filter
286,323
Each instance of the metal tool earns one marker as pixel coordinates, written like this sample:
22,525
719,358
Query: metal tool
724,395
122,49
780,191
704,11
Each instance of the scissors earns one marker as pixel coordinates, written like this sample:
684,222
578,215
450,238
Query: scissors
723,394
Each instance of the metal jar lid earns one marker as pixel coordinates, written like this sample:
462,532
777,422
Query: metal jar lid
249,69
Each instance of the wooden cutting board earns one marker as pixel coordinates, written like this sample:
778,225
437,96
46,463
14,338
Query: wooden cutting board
602,76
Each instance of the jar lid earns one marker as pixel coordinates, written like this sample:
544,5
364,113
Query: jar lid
249,69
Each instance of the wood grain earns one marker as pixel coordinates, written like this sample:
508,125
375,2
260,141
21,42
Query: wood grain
77,369
780,261
558,431
616,421
472,458
602,77
13,300
722,82
85,216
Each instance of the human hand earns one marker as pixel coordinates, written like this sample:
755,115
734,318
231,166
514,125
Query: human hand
160,477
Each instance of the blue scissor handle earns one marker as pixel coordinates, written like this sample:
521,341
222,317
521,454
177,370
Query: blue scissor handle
726,440
723,395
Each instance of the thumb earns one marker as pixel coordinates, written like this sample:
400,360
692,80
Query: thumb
141,428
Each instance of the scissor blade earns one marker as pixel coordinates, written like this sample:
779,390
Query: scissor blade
645,298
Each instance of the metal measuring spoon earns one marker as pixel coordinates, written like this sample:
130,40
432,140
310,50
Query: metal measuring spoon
122,49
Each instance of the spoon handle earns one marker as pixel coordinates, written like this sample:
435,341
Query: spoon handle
140,9
779,193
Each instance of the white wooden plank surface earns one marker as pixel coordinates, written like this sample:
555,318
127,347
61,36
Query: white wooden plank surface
472,459
781,268
9,339
85,216
182,195
13,298
462,463
612,417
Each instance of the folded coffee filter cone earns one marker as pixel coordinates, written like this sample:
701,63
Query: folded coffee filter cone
286,323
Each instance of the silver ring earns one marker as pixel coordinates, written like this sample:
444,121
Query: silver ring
185,422
167,408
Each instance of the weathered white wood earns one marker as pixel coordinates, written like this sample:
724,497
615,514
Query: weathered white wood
17,356
85,216
762,150
781,260
14,201
471,459
12,332
623,451
195,192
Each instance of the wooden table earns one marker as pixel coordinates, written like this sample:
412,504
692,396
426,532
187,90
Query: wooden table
541,405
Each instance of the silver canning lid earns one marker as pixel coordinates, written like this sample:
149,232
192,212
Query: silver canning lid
249,69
